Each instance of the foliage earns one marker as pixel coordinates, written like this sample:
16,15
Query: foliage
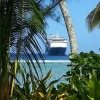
22,22
93,18
35,90
40,89
85,75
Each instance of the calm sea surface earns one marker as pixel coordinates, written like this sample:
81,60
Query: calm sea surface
57,65
58,68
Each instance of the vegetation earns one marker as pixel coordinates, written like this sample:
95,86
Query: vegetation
93,18
18,35
85,75
82,82
21,23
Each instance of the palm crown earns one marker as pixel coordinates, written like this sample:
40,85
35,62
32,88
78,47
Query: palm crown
93,19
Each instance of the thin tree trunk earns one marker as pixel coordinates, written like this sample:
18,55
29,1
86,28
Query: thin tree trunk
69,26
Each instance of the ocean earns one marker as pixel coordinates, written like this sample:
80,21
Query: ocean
58,69
57,64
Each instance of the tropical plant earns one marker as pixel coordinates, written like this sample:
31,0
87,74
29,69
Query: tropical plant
43,89
21,22
69,27
85,75
35,90
93,18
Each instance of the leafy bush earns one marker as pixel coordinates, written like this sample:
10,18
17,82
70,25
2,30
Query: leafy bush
84,75
83,82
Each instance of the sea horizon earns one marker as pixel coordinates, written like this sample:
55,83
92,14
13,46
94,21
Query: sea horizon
47,58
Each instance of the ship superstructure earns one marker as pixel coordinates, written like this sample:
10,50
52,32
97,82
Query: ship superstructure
56,45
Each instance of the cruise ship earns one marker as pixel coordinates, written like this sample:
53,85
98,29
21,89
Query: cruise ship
56,46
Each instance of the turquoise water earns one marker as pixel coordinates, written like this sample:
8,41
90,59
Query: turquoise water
57,65
58,69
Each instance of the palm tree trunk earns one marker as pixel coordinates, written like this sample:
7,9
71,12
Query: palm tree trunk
69,26
6,8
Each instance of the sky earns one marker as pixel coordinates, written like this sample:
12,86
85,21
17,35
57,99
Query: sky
78,9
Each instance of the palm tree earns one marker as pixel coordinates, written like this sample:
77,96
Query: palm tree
93,18
21,22
69,26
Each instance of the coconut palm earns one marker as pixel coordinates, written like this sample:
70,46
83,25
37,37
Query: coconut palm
93,18
69,26
21,22
21,25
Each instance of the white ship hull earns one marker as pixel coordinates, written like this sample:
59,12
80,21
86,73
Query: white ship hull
56,46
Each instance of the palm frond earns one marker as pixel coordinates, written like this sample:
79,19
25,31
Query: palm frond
22,24
13,23
33,25
93,19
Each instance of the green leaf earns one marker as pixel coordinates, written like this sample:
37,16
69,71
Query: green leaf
47,76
